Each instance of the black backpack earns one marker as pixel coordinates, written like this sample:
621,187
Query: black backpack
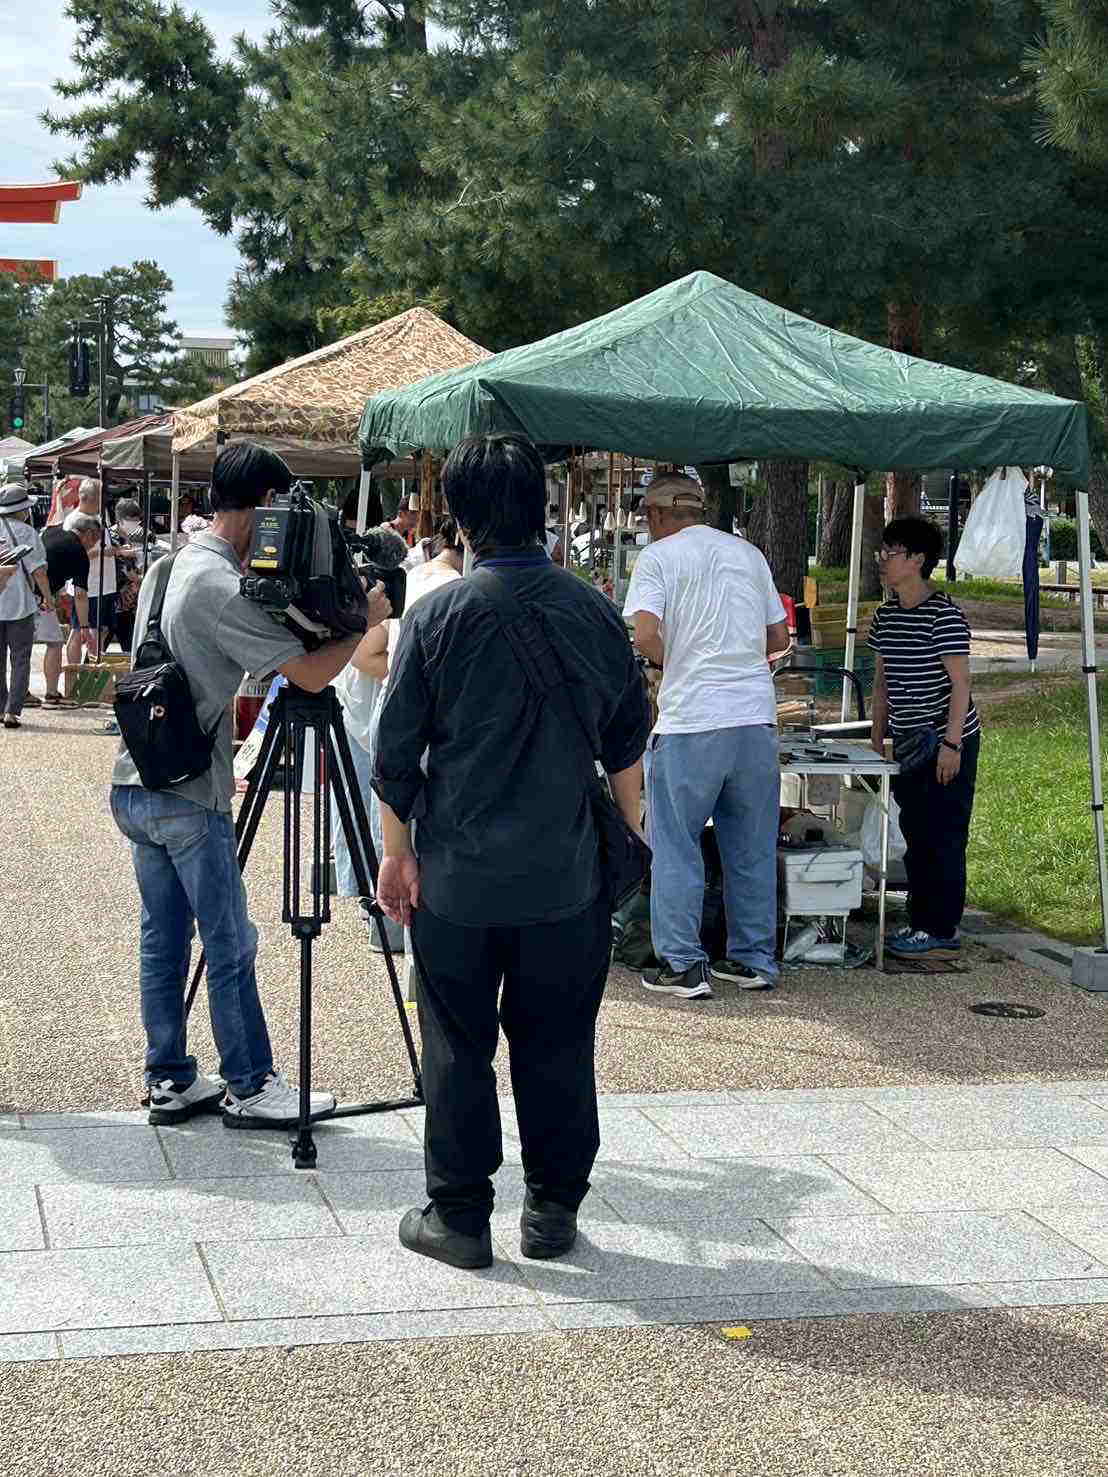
154,706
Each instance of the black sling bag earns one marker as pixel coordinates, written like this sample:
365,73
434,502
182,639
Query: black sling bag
624,857
154,706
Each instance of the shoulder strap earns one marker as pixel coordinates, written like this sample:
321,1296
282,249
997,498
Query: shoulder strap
162,570
541,664
15,545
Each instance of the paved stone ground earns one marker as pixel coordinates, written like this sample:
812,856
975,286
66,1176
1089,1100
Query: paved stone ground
118,1238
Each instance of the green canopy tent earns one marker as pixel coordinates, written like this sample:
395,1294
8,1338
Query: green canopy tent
701,371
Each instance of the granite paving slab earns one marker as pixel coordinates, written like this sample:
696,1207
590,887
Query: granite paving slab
350,1274
816,1303
709,1193
766,1128
159,1214
268,1333
20,1221
17,1348
204,1149
50,1156
1083,1226
1025,1119
936,1249
43,1290
613,1261
627,1134
972,1179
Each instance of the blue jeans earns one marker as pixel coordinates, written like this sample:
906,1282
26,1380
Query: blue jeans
188,873
733,776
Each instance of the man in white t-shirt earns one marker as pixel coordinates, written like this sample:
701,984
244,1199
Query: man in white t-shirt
705,609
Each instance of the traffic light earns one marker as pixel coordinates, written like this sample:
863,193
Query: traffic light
17,410
79,378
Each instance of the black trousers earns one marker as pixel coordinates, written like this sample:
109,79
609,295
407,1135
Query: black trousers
935,820
550,979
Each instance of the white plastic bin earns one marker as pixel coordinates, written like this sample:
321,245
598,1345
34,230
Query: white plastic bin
819,880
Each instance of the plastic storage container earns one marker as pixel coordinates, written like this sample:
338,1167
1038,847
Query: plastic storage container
819,880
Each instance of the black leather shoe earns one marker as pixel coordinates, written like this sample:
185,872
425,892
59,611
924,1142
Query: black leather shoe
547,1229
425,1232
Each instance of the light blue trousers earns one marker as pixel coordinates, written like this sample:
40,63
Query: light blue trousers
733,776
344,867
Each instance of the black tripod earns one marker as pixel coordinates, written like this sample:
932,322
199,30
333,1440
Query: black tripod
294,715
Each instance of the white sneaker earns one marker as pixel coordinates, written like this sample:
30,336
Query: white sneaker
171,1104
277,1105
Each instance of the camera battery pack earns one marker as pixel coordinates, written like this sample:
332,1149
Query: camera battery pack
272,537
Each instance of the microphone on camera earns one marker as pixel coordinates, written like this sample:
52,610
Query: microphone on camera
384,547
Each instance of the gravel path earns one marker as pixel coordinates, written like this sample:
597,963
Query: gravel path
998,1394
70,1036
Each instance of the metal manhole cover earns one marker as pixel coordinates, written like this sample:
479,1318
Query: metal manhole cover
1008,1010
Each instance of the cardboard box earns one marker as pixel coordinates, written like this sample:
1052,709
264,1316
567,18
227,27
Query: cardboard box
89,684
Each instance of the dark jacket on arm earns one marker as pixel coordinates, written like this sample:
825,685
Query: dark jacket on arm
504,830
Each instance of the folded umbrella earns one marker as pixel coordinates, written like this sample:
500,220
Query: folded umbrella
1031,586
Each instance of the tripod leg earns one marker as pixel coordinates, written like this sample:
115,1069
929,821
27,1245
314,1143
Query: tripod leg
355,825
303,1146
250,814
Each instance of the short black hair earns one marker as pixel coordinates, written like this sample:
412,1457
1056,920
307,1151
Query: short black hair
915,536
446,537
243,474
495,486
127,507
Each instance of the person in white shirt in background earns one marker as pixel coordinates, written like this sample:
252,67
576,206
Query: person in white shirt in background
361,690
102,581
554,545
704,608
20,598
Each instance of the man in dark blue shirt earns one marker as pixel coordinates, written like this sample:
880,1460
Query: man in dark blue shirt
505,895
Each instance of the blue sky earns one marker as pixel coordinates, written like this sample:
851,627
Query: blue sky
108,226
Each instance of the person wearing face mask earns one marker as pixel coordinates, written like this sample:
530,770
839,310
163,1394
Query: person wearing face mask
126,532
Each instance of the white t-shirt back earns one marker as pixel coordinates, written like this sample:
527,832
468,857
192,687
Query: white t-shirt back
421,581
714,595
94,587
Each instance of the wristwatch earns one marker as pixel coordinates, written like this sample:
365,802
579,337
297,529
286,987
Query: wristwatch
957,748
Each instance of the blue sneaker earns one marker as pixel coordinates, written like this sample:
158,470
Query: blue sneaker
918,945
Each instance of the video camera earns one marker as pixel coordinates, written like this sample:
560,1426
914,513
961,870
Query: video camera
301,570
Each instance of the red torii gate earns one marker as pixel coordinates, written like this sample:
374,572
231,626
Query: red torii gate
34,205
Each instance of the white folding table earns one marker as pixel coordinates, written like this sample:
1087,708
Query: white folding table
830,756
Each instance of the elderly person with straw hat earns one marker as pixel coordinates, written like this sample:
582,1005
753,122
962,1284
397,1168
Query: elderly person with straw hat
19,599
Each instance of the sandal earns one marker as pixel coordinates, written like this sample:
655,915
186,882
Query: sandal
55,700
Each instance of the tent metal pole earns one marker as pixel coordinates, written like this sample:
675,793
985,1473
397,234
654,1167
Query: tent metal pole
853,588
174,496
363,498
1088,667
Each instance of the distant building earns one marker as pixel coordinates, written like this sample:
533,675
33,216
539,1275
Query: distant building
214,352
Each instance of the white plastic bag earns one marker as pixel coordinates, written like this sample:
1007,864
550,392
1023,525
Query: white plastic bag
995,534
871,834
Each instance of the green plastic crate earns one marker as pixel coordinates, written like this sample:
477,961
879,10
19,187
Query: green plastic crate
865,664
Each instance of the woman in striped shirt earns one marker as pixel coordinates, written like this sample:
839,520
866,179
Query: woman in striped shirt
922,698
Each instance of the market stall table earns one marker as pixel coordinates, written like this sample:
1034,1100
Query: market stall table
806,757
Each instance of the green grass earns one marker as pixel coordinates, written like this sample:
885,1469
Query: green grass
1031,855
836,582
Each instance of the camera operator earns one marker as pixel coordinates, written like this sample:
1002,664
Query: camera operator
507,886
183,839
